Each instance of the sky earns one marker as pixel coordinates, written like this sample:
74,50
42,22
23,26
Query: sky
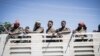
72,11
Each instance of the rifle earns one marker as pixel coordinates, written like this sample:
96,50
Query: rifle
69,41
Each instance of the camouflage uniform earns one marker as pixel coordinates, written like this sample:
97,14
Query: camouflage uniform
60,30
19,30
51,30
81,30
39,30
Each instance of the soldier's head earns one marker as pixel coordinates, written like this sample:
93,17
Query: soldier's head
37,24
81,24
50,23
16,24
27,27
63,23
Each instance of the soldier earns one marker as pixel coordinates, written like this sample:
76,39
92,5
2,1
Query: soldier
63,28
38,28
98,29
50,27
16,29
81,27
27,30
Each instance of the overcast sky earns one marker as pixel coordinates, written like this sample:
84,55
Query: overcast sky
73,11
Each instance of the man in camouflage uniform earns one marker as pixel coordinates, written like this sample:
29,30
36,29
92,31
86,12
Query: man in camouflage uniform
27,30
16,29
50,27
81,27
38,28
63,28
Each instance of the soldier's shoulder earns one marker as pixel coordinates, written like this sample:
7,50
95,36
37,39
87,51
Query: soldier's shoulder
42,28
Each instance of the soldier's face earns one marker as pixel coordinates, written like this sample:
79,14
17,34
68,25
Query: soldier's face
50,24
16,25
38,24
81,25
63,24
